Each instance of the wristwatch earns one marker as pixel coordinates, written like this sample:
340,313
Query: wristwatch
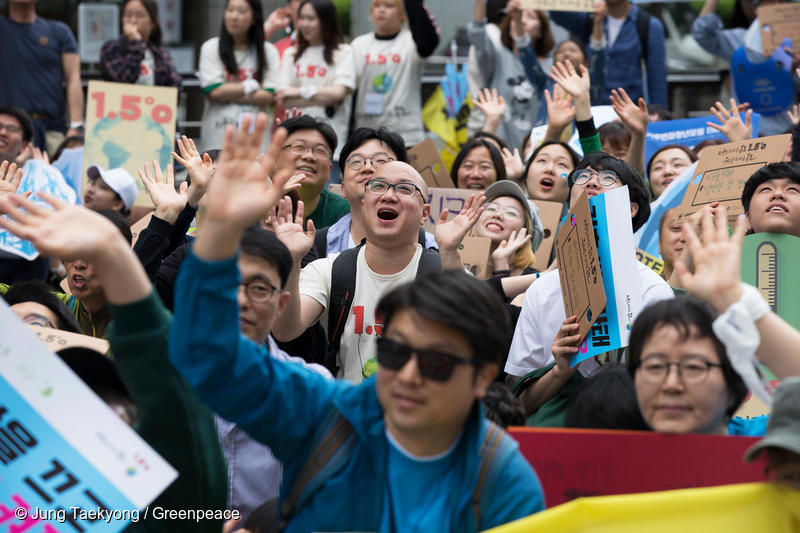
76,125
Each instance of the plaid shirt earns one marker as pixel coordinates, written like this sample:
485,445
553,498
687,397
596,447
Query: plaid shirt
120,61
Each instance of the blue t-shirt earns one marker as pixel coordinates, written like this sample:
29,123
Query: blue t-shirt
31,73
748,427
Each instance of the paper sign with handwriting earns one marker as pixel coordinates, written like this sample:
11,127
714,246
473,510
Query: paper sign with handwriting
475,254
550,215
62,447
579,267
57,339
778,22
559,5
723,170
127,126
451,199
426,159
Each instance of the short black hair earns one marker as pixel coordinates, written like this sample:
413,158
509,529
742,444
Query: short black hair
789,170
615,134
263,243
307,122
394,141
486,135
690,317
494,154
118,219
501,407
41,293
23,118
606,400
458,301
659,110
627,175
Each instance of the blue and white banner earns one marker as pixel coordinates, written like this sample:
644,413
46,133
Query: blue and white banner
687,132
611,217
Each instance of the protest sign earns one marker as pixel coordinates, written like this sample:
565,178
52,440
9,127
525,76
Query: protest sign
451,199
37,177
572,463
127,126
579,268
770,262
57,339
475,254
559,5
741,508
550,215
779,21
63,448
653,263
687,132
425,158
723,170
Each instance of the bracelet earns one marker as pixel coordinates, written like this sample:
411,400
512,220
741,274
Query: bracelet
250,86
76,125
307,92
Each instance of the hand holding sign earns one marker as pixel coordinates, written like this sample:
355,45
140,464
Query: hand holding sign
566,344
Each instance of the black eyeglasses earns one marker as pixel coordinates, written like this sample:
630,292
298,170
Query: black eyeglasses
432,364
377,160
402,189
693,371
605,178
258,291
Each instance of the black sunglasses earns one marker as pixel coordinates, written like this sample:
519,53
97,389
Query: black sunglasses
432,364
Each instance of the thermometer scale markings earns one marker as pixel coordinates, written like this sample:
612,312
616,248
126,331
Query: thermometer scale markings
767,273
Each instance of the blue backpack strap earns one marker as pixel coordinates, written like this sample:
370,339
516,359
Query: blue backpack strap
334,444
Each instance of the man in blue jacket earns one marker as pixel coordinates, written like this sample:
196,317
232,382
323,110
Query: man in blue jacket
631,35
406,450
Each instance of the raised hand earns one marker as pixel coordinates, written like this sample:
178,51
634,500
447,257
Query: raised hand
513,164
576,85
168,202
491,103
794,112
279,19
290,229
716,257
10,178
200,169
634,116
731,124
287,114
560,110
450,234
501,257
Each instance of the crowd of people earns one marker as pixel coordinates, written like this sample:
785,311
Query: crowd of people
320,362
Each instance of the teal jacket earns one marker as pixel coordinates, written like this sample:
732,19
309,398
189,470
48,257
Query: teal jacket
284,406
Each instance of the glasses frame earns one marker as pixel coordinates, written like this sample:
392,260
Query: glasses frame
393,186
352,164
503,211
584,175
11,128
425,362
296,150
272,290
669,364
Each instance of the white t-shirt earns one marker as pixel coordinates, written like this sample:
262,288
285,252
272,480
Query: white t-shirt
543,313
213,72
147,69
311,69
389,83
357,349
614,27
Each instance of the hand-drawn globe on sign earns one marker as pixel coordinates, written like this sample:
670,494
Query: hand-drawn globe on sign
128,144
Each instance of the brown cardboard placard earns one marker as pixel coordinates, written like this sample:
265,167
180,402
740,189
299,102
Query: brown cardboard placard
56,339
140,225
559,5
550,214
475,254
723,170
777,22
579,267
445,198
426,159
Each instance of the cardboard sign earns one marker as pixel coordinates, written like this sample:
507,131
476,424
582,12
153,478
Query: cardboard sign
723,170
56,339
127,126
572,463
426,159
62,448
451,199
579,267
475,254
335,188
653,263
550,214
559,5
779,21
140,226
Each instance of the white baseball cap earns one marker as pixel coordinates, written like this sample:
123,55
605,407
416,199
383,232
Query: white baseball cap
120,181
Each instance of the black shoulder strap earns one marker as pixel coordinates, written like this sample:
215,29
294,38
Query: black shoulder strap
421,237
343,288
321,242
489,446
642,28
429,261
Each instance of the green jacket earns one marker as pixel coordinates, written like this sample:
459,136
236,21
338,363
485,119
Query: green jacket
170,417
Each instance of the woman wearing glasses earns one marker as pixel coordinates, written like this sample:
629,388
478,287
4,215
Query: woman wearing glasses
238,71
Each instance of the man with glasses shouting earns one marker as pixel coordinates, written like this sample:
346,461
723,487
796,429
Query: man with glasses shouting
409,450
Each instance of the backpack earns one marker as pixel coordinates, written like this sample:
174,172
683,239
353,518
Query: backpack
343,288
335,444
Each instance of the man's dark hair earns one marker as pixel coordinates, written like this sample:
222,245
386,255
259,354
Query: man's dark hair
360,136
41,293
627,175
23,118
494,154
789,171
606,400
264,244
691,318
615,134
118,219
486,135
306,122
659,110
458,301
